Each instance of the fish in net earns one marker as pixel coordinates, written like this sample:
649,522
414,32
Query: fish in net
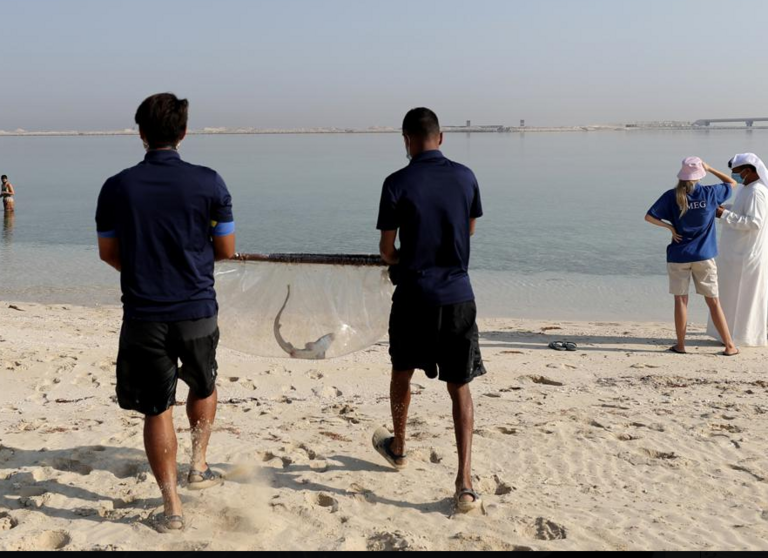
302,306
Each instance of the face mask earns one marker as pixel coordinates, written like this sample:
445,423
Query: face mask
737,177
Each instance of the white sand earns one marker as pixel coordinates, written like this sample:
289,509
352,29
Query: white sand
637,449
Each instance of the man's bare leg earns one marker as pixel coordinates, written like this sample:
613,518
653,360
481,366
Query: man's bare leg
681,321
400,401
161,446
720,323
201,414
464,424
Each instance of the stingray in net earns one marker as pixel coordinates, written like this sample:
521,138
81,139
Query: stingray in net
302,306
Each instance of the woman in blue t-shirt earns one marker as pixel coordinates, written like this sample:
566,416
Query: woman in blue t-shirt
689,212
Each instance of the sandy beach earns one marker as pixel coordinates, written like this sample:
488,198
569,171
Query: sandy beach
619,446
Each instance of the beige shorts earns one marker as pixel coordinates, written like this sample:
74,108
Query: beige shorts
704,277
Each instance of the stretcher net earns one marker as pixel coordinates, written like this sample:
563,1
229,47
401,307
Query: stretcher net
304,306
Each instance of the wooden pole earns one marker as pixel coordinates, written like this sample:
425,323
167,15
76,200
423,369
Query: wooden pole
359,260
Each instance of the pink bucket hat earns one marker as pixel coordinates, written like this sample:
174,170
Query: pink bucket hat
693,169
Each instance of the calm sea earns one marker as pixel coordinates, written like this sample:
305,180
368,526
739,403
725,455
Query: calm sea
563,234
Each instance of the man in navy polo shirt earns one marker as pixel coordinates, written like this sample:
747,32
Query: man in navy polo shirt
433,204
162,224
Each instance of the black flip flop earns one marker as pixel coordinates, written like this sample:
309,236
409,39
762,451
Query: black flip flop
558,346
571,346
674,350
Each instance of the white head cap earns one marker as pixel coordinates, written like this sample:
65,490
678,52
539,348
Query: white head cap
750,159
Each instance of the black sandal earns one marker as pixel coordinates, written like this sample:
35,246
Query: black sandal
207,479
164,524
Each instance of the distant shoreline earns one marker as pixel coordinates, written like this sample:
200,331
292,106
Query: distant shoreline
449,130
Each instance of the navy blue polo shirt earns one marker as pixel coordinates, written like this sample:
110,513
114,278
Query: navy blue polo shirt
431,202
164,213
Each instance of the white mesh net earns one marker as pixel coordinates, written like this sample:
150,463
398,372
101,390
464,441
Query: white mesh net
305,311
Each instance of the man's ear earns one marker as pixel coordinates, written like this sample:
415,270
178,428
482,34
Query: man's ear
441,139
184,135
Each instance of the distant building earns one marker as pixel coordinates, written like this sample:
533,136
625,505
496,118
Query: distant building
522,123
469,123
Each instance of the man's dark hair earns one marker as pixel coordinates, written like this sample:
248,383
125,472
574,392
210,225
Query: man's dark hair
4,176
421,122
162,118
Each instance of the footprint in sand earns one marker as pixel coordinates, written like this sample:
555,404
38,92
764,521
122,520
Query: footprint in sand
654,454
315,375
106,365
44,387
542,380
87,380
185,546
484,543
506,430
388,542
311,454
249,384
47,540
128,470
362,494
33,496
323,500
494,485
546,530
234,520
327,392
7,522
71,466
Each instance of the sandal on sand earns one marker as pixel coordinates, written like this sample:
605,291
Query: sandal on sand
165,524
571,346
558,346
466,507
382,442
677,351
200,480
737,353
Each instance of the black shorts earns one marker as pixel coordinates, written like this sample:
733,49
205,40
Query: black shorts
148,362
441,340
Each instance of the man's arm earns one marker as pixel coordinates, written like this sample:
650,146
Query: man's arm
741,222
472,225
224,247
387,249
109,252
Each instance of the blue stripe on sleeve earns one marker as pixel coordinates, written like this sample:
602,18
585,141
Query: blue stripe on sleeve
107,234
224,229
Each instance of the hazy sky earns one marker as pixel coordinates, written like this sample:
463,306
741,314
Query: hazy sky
86,64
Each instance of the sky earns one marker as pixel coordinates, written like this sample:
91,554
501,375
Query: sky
87,64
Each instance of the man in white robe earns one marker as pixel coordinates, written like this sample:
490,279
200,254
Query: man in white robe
743,261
